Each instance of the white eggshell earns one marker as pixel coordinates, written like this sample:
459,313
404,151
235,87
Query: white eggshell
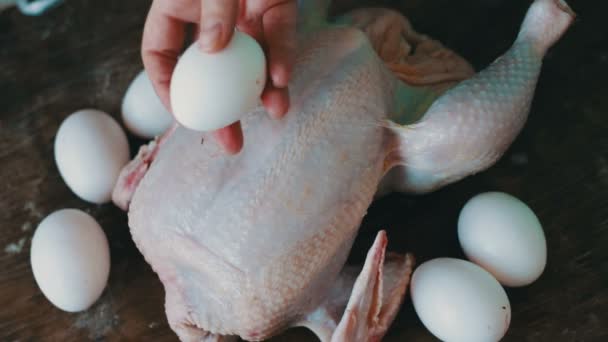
90,150
501,234
70,259
213,90
142,112
459,301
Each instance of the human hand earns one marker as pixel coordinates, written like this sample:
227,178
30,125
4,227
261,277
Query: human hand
271,22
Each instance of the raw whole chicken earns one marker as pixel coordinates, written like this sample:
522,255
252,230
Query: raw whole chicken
252,244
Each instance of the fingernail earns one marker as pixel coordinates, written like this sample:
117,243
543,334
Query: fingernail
280,77
210,36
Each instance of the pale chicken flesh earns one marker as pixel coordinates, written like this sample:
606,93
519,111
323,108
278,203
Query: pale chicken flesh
251,244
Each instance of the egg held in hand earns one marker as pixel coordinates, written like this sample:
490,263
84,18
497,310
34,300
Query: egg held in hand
212,90
503,235
70,259
458,301
90,150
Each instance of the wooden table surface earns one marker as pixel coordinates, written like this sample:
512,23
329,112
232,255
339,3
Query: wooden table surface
84,54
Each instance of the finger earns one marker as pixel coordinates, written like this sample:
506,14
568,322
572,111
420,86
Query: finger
196,32
231,137
218,19
276,101
161,44
250,20
279,25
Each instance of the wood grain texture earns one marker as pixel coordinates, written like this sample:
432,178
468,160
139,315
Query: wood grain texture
84,54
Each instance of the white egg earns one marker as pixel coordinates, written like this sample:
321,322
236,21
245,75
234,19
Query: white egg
213,90
90,150
501,234
459,301
142,111
70,259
